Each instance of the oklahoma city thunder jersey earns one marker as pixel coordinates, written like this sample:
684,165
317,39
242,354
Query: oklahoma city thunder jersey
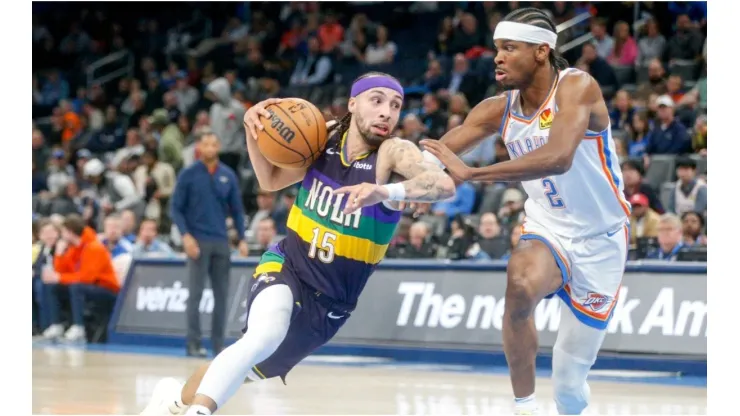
332,252
585,201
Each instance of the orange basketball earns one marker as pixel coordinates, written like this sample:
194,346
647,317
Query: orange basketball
294,136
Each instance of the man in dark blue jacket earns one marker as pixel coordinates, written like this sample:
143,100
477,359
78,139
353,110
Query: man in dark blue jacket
669,136
206,193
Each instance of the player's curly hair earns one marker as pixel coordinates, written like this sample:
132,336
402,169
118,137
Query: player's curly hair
536,17
343,124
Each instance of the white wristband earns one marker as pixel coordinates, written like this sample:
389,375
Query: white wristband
396,191
429,157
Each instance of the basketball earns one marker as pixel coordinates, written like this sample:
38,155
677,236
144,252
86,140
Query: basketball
294,136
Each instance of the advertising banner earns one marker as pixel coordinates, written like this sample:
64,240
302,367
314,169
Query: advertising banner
656,313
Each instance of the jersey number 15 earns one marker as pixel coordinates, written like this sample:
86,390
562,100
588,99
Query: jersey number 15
552,194
322,246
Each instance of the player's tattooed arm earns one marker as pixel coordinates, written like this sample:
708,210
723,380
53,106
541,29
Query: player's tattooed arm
425,181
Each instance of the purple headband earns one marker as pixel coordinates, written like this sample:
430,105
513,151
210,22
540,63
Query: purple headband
375,82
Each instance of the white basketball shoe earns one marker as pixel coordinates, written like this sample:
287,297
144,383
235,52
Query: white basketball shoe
166,399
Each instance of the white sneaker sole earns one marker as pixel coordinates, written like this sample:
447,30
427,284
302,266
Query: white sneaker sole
163,396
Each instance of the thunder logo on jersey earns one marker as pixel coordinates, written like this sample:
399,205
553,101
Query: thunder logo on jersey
317,218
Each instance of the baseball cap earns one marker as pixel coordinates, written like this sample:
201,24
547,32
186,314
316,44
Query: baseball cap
665,100
58,154
159,117
93,167
512,195
639,199
84,154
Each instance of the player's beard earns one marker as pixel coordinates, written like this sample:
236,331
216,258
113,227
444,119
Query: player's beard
372,139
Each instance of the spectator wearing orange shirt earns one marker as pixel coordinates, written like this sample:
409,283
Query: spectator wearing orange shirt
331,33
83,266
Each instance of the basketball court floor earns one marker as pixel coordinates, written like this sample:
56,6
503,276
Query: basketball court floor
107,380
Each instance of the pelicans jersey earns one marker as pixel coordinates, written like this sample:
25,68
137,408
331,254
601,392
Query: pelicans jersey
336,253
326,257
581,215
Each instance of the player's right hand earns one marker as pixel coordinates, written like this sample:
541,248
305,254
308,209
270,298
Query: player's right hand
252,116
190,244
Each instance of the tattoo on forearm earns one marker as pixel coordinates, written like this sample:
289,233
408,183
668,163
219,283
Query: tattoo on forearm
424,179
426,187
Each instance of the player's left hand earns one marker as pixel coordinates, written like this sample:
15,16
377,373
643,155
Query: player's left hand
362,195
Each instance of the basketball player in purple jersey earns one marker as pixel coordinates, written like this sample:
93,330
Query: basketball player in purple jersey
305,287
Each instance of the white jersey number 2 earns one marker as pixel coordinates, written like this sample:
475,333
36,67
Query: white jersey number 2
552,194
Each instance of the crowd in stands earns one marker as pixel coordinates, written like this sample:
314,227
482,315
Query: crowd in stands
107,152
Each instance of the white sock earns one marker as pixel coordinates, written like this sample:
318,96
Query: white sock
525,403
197,409
267,324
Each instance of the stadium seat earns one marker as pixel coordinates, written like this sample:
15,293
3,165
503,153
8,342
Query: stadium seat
630,88
625,74
437,223
662,169
641,74
701,164
491,200
608,91
686,69
666,193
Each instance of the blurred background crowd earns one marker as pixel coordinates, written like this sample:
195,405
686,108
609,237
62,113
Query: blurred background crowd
119,98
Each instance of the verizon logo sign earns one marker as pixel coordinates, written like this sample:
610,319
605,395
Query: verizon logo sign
422,307
170,299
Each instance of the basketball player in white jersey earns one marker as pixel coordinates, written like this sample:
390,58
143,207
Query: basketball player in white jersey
556,128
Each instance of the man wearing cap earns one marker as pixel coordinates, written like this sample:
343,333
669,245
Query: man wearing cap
169,136
60,172
512,208
644,221
669,135
115,192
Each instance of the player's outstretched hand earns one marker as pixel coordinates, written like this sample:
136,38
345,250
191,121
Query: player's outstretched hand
458,170
362,195
252,116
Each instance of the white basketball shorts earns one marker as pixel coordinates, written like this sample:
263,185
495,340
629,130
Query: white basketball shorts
592,269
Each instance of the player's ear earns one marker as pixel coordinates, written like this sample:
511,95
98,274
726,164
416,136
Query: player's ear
351,104
542,53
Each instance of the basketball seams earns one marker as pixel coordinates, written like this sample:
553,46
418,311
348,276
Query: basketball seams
319,150
313,154
282,145
318,131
